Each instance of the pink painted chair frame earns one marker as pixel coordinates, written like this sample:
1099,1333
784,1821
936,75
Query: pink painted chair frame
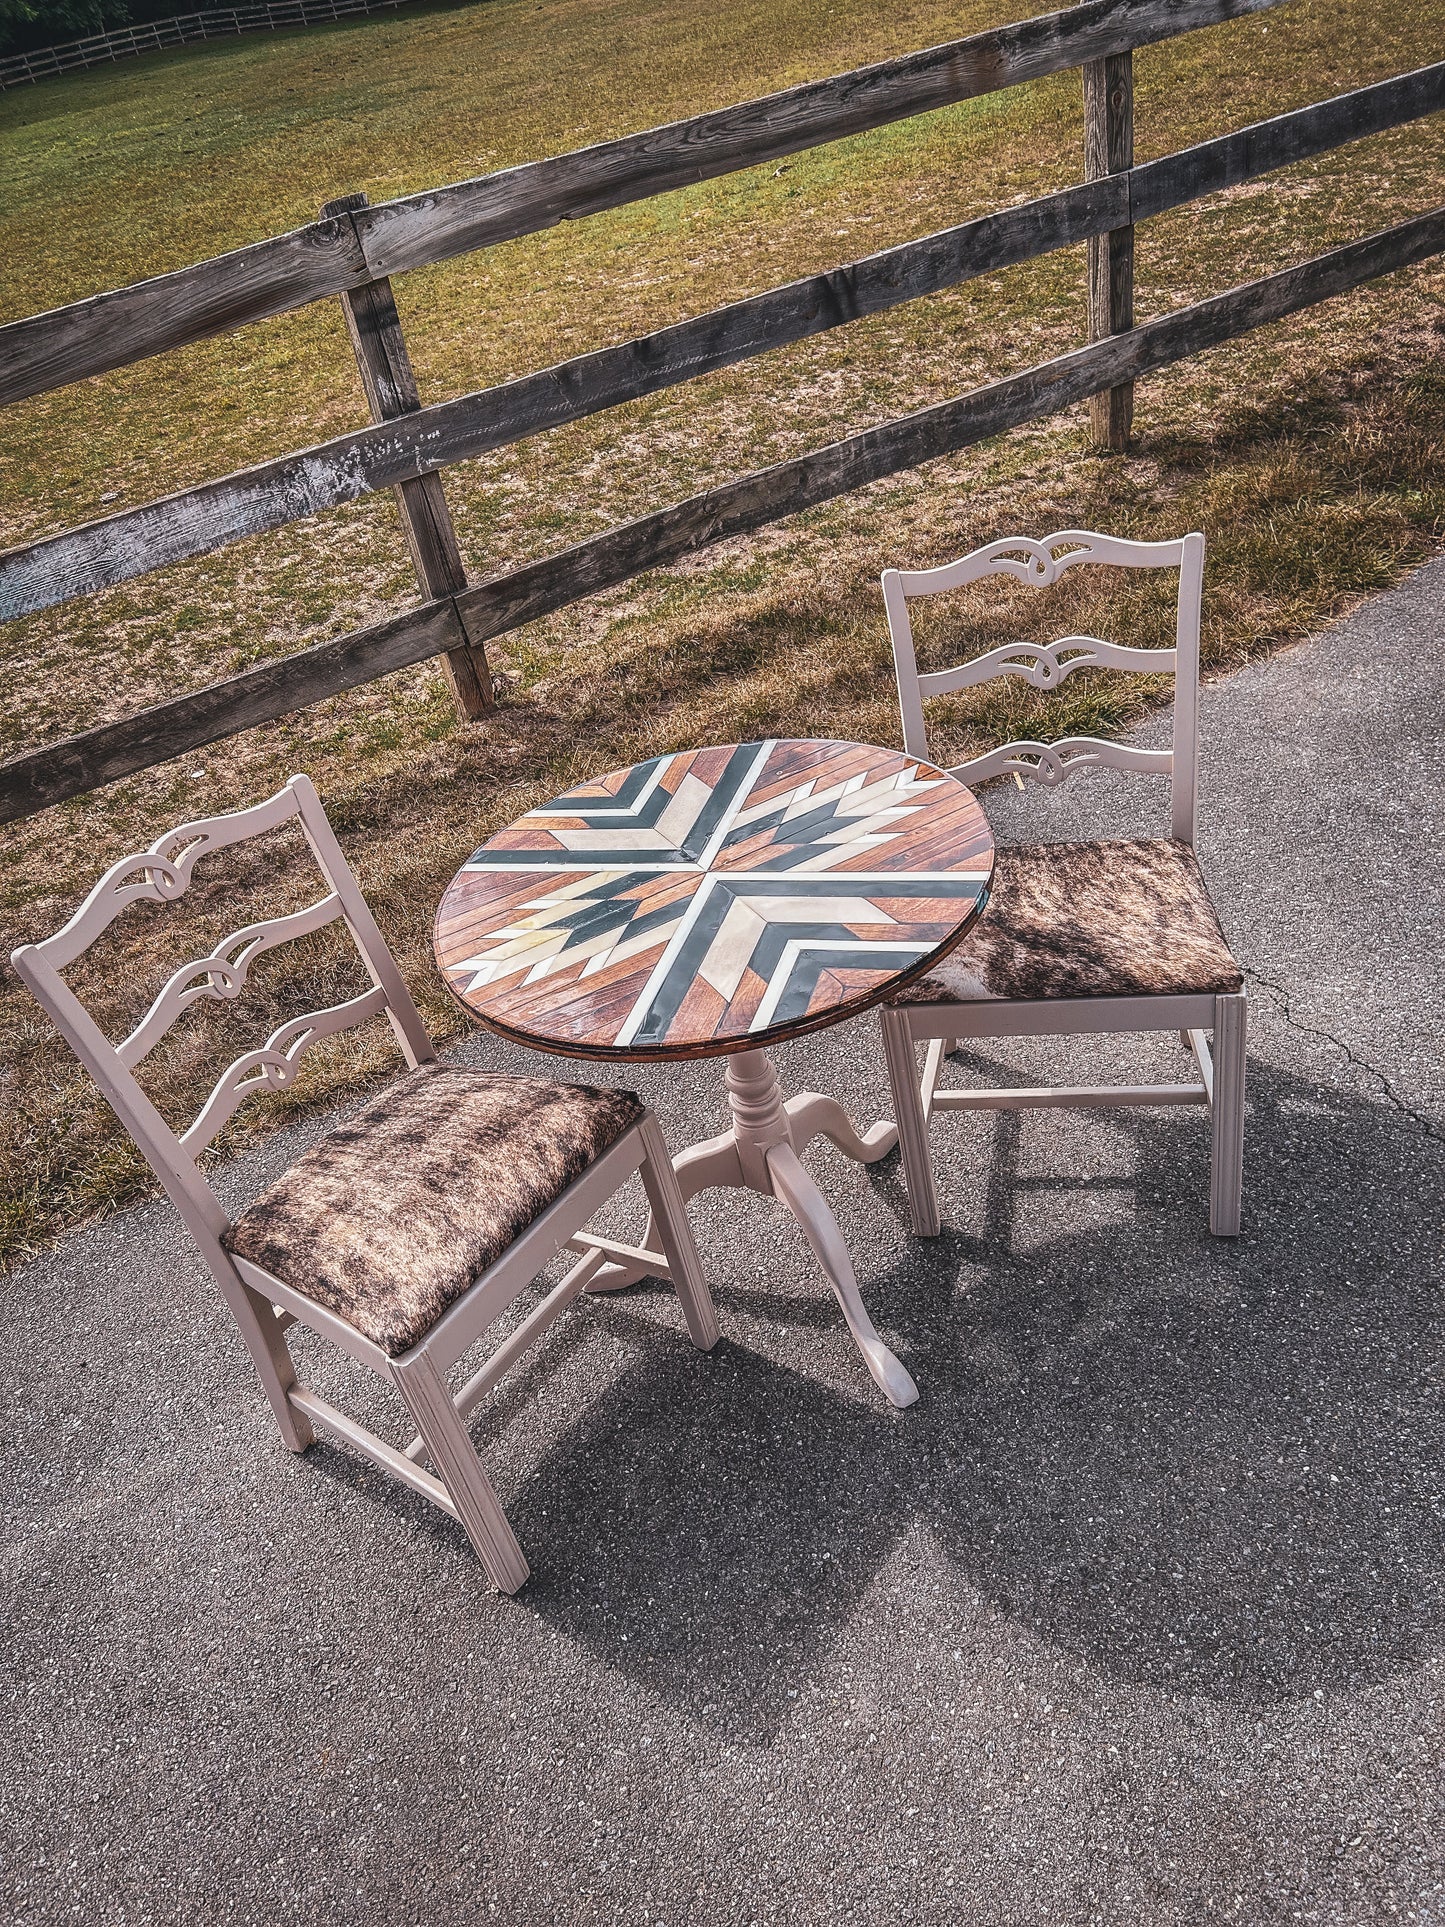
1221,1069
263,1306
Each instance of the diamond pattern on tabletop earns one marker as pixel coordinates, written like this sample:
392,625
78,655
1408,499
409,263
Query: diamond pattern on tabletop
715,899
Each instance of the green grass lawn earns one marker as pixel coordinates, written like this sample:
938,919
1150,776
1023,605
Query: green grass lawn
1309,454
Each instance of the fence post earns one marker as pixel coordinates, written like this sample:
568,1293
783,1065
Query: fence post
1109,149
390,383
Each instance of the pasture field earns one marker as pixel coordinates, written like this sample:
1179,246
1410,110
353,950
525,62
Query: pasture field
1309,453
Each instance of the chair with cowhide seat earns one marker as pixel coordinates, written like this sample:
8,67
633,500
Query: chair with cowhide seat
409,1230
1077,938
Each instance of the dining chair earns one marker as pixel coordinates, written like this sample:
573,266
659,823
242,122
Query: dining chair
1077,938
410,1229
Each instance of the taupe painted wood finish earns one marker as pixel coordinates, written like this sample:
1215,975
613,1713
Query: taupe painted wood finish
49,775
118,547
108,330
1109,149
949,1018
265,1306
390,384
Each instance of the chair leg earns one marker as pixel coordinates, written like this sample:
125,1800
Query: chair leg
264,1339
1226,1175
425,1393
934,1053
669,1214
912,1125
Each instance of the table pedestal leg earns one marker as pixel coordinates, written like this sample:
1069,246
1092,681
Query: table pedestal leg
760,1153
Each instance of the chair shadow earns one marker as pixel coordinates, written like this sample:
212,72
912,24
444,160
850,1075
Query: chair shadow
1205,1466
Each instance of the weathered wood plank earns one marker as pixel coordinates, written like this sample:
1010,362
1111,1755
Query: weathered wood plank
118,547
423,228
109,330
133,540
1109,149
752,501
389,381
1258,149
100,554
79,763
49,775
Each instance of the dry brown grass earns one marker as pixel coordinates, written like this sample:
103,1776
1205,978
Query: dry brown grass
1310,455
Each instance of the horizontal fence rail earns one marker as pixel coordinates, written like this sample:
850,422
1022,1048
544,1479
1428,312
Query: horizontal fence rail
83,762
270,277
104,553
354,248
181,30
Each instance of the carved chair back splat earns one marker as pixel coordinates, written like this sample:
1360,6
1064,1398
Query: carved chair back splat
162,874
264,1306
1212,1001
1046,666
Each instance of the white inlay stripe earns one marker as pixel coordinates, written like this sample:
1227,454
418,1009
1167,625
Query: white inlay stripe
734,809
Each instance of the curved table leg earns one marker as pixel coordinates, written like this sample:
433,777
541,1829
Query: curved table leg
808,1205
712,1163
760,1153
813,1115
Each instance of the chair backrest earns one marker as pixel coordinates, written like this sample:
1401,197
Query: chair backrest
1045,666
160,875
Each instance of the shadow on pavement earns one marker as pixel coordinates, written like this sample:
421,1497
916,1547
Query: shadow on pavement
1206,1466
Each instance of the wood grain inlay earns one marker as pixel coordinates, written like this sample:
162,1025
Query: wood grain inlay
716,899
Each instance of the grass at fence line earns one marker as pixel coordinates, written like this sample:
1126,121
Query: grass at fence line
1309,454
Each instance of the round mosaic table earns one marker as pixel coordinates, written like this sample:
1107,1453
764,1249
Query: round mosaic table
714,902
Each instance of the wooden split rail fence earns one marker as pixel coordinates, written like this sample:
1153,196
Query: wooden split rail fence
354,248
181,30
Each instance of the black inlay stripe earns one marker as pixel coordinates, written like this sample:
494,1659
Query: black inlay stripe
613,912
723,792
631,925
812,825
774,938
667,999
630,790
787,858
882,959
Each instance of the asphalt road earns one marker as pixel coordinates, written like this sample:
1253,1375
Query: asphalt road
1136,1617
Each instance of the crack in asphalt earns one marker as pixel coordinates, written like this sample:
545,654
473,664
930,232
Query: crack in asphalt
1282,1000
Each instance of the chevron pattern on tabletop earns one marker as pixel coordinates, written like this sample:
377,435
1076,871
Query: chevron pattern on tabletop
715,899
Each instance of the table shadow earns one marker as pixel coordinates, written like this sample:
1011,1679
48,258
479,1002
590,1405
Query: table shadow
1210,1467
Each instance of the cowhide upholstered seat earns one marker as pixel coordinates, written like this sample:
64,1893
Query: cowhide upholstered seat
407,1233
393,1215
1128,918
1077,939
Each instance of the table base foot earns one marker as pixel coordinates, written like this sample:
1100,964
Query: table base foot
812,1115
712,1165
761,1153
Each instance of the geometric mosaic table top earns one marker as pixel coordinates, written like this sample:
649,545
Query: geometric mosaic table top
715,900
